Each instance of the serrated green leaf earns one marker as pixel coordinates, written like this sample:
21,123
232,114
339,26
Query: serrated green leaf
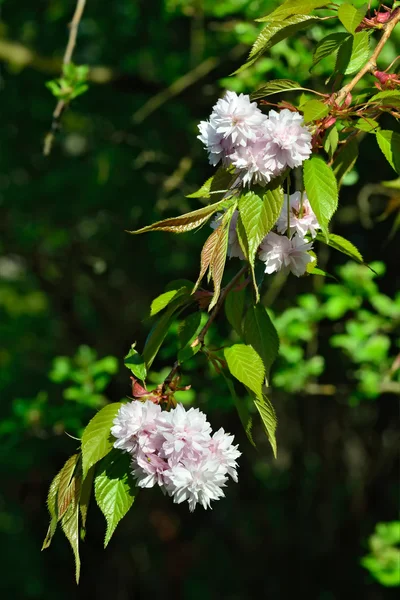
185,222
351,17
260,333
314,110
70,526
268,417
331,141
389,143
328,46
322,192
84,500
160,329
340,243
67,485
317,271
234,307
52,506
135,363
246,366
218,183
387,98
293,7
367,124
353,53
275,32
345,160
97,440
162,301
244,415
275,87
257,215
114,489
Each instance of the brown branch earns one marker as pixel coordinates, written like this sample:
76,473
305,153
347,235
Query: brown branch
371,64
224,293
61,104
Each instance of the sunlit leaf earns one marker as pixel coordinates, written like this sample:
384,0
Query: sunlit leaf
135,363
293,7
276,86
353,53
340,243
268,417
314,110
321,187
351,17
185,222
114,489
246,366
97,440
389,143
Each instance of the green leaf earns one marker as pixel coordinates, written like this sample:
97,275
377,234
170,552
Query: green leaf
218,259
260,333
219,183
275,32
389,143
351,17
52,507
317,271
314,110
367,124
293,7
244,415
114,489
246,366
340,243
164,299
353,53
257,215
135,363
268,417
187,353
234,307
188,328
328,46
97,440
331,141
390,98
275,87
67,485
160,329
185,222
70,526
322,192
345,160
84,500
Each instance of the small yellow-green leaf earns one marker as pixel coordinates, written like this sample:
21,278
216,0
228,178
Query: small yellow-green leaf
246,366
322,191
135,363
351,17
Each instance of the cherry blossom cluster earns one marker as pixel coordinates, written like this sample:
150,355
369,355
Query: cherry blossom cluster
279,251
176,450
260,147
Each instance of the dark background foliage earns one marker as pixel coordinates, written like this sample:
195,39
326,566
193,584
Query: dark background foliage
70,275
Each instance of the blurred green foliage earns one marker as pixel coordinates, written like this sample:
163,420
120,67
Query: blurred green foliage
383,562
127,155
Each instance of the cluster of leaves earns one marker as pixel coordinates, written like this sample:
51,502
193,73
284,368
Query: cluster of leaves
84,379
383,561
71,84
368,337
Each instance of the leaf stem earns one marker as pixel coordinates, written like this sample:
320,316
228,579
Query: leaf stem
224,293
61,104
371,64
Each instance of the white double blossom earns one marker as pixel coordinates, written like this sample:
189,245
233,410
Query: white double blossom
260,147
177,451
302,219
278,252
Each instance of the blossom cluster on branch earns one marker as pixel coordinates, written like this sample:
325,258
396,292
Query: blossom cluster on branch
176,450
260,147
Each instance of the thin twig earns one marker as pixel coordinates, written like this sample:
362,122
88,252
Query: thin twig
224,293
371,64
61,104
